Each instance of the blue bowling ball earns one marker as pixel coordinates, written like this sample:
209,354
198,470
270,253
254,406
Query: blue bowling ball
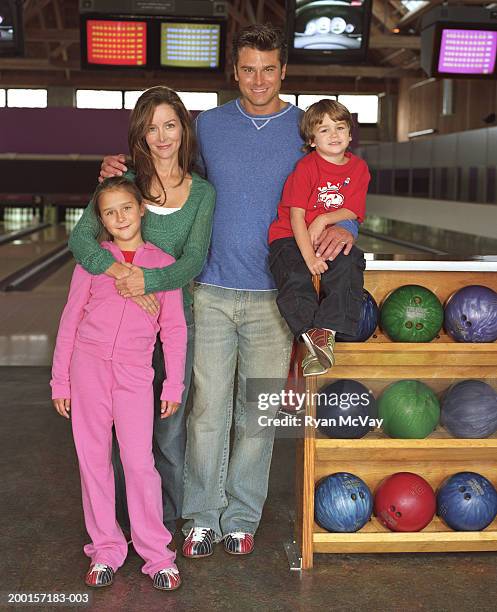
367,323
471,314
469,409
467,501
342,503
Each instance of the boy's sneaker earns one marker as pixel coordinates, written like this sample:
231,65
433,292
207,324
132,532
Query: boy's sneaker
167,579
321,343
238,543
311,366
99,575
199,543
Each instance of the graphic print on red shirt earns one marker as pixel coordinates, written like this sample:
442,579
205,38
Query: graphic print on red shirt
319,187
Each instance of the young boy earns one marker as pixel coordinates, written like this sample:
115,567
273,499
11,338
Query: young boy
327,186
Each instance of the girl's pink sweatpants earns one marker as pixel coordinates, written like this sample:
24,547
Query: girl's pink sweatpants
105,393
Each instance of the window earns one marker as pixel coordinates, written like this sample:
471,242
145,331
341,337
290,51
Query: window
193,100
2,97
27,98
292,98
198,100
305,100
366,106
130,98
98,98
413,5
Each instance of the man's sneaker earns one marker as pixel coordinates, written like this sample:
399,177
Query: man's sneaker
199,543
320,343
99,575
167,579
311,366
239,543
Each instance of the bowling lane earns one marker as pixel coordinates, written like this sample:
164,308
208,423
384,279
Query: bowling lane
58,282
17,254
379,246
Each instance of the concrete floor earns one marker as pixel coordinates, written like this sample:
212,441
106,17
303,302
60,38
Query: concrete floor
42,536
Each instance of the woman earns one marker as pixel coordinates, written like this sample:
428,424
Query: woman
179,221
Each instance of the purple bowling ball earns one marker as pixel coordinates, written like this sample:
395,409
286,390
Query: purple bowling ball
471,314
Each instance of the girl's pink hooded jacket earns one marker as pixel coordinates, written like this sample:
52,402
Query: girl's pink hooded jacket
98,321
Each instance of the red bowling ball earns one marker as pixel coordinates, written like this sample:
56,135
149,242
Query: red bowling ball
404,502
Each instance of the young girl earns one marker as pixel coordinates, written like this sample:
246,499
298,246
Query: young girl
102,375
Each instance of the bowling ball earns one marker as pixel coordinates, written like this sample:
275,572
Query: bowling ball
404,502
469,409
471,314
411,313
342,503
409,409
367,323
467,501
347,406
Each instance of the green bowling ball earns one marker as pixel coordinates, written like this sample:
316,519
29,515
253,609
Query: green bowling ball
411,313
409,409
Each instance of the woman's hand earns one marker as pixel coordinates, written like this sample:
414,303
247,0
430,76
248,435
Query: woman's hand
149,303
112,165
133,284
315,229
168,408
119,270
63,406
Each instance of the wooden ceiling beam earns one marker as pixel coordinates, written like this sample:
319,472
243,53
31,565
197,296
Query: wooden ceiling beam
325,70
26,63
391,56
394,41
382,12
260,11
278,10
62,48
52,35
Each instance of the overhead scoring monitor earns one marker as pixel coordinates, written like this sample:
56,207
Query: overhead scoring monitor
329,30
467,51
190,45
116,43
459,42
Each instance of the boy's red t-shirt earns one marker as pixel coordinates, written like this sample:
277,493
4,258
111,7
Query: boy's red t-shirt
319,186
128,256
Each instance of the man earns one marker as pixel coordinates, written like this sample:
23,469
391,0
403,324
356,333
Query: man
248,147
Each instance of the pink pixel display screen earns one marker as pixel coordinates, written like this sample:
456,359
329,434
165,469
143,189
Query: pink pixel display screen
467,51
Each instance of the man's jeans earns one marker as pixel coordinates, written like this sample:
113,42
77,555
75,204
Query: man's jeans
226,491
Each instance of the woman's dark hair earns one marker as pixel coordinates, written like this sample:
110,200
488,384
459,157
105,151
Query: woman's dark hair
140,119
261,37
112,184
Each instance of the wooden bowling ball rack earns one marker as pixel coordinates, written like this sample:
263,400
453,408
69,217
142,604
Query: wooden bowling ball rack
377,363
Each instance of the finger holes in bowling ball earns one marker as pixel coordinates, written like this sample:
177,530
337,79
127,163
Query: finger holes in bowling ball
353,496
361,494
398,514
468,324
464,318
419,326
462,489
467,496
392,508
408,324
